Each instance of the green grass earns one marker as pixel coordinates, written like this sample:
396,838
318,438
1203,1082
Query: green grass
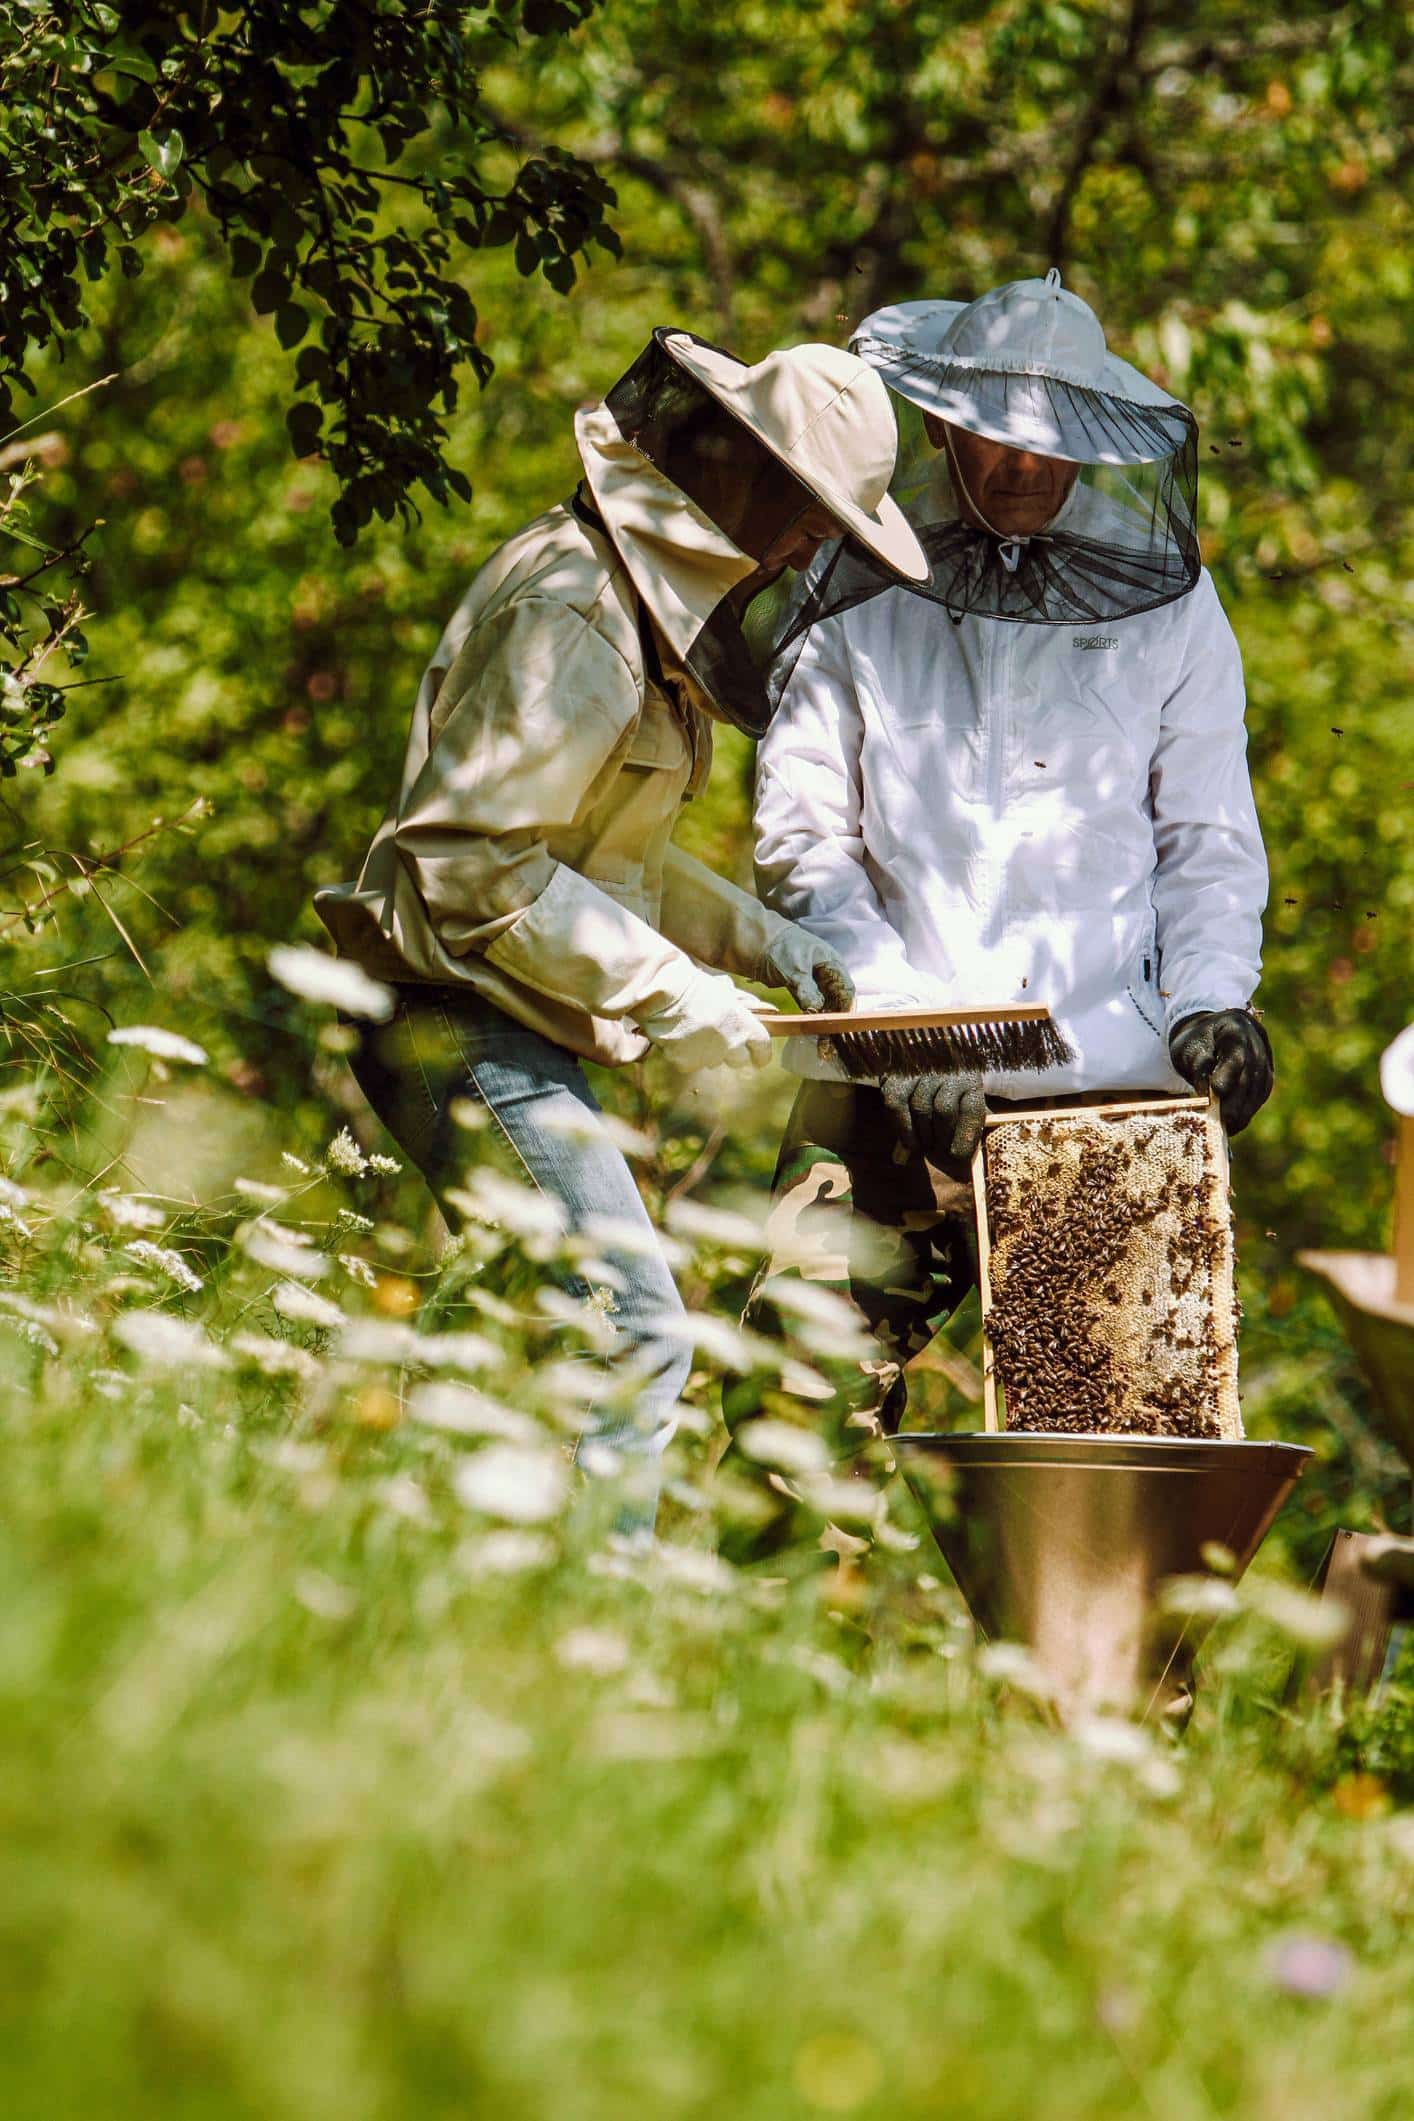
310,1809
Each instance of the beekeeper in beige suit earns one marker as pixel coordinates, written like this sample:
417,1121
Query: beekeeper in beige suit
522,895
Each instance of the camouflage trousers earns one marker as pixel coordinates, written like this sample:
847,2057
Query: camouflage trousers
853,1211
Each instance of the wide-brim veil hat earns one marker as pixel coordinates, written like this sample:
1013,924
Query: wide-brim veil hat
1026,364
825,416
695,464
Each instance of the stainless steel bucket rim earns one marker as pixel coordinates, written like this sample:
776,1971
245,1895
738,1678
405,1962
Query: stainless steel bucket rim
1170,1454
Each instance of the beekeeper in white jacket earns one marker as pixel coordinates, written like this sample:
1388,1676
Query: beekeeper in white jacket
1023,780
522,895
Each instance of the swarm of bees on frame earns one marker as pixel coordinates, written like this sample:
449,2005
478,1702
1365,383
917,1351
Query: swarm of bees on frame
1112,1301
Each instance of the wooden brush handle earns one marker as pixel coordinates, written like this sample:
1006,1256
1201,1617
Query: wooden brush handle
830,1023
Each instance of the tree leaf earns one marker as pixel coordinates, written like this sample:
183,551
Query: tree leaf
291,323
303,422
164,154
268,290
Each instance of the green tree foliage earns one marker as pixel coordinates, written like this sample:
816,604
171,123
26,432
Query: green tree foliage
118,118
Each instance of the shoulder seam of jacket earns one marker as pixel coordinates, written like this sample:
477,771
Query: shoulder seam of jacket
538,596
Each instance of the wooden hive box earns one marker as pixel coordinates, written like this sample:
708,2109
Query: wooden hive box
1106,1268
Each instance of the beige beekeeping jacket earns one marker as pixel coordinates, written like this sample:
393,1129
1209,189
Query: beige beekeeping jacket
528,854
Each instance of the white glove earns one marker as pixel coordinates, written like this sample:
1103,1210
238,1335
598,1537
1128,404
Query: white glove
813,972
711,1025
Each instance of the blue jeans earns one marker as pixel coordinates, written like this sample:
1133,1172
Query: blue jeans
441,1046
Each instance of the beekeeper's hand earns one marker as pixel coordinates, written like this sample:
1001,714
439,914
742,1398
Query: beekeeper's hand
711,1025
937,1116
814,974
1227,1051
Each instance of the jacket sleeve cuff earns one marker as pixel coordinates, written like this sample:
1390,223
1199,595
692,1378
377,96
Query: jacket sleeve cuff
1181,1006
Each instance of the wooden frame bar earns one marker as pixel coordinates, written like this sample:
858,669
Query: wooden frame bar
829,1023
990,1420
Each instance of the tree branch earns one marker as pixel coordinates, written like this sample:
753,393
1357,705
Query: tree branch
1117,85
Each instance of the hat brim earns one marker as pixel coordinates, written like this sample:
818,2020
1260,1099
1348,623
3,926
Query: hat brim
885,341
886,533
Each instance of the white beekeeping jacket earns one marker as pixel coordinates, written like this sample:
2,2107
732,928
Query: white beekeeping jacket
980,812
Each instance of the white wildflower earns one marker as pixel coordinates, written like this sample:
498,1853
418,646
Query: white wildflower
168,1343
314,977
695,1568
579,1312
457,1351
576,1123
844,1501
723,1227
306,1306
55,1318
1011,1665
345,1156
507,1553
1198,1598
385,1166
509,1481
469,1115
802,1382
256,1189
1312,1624
599,1459
284,1251
461,1410
826,1322
828,1672
321,1595
358,1270
351,1224
295,1164
277,1358
1111,1738
376,1340
402,1496
632,1240
782,1445
126,1212
162,1045
293,1456
725,1342
165,1261
506,1204
37,1336
595,1650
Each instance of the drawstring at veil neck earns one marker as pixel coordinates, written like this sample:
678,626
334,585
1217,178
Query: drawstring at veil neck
1009,547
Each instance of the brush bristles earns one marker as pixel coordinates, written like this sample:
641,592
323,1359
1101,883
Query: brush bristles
956,1049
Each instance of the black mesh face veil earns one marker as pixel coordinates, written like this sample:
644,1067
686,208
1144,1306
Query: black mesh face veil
1124,540
751,497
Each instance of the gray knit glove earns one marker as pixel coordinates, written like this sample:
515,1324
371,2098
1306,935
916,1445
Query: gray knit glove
812,972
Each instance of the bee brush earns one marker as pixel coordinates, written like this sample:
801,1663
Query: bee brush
872,1042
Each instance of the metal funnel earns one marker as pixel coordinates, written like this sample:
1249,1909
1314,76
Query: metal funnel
1063,1542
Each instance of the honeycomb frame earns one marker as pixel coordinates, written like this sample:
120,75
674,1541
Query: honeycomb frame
1107,1270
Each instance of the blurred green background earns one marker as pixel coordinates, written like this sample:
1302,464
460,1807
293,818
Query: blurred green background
1223,185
